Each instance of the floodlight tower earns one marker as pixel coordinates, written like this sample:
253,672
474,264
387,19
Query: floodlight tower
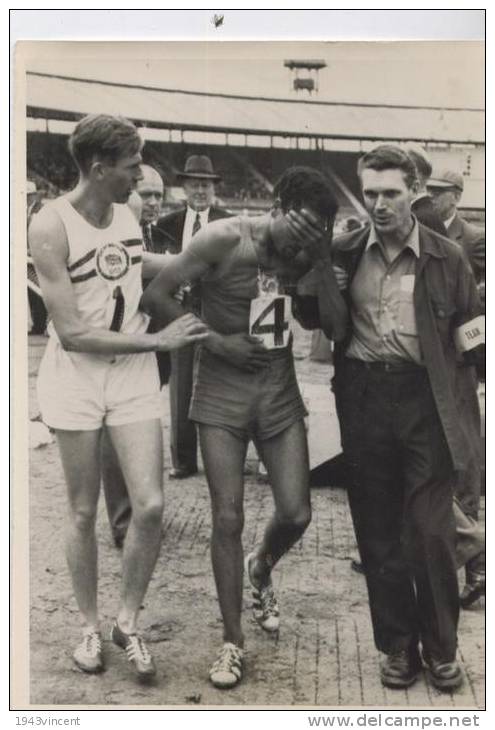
308,82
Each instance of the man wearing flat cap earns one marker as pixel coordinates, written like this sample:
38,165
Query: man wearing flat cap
198,181
446,188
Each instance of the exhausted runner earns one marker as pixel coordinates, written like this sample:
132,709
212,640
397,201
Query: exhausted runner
246,386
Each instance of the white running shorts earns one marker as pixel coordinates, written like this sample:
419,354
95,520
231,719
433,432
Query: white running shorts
79,391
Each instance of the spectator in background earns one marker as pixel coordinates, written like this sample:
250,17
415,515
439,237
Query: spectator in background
176,231
446,188
422,205
150,190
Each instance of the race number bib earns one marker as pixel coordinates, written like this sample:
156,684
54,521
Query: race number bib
270,320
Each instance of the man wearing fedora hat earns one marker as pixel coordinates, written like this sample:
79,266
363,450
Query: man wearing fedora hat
198,180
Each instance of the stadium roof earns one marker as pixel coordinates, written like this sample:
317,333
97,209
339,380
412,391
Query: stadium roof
59,97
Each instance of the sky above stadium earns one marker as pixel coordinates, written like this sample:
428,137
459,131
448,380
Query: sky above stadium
439,74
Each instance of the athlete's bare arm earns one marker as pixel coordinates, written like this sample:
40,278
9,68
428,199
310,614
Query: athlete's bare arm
50,252
207,249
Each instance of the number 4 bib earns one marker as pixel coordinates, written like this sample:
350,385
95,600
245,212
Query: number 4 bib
270,319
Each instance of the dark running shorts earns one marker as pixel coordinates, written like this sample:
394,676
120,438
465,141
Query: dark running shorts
256,405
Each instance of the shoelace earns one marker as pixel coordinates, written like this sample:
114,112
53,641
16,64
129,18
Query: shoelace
229,660
137,650
92,643
266,601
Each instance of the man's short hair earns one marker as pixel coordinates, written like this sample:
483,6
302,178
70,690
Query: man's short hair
300,186
105,137
420,159
389,157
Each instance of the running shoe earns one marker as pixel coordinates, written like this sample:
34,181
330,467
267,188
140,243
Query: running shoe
226,671
265,605
136,650
88,655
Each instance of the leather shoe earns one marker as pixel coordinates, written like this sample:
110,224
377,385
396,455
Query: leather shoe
445,676
400,669
181,473
474,588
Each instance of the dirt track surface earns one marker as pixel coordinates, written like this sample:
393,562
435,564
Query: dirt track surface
324,653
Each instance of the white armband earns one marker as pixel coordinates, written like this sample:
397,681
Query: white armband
470,334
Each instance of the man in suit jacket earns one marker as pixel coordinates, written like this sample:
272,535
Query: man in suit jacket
446,188
175,232
422,205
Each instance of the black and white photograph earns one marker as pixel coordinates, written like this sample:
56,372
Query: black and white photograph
253,279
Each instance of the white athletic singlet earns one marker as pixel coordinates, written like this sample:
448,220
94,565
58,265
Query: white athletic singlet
104,266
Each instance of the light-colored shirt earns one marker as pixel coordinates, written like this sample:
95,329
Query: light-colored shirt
449,220
382,304
189,224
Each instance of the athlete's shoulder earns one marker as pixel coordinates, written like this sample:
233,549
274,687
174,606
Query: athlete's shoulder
217,239
48,220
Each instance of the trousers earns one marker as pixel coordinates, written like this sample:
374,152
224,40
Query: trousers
400,496
183,437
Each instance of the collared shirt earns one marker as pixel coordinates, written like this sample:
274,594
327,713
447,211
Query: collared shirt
382,305
449,220
446,297
189,224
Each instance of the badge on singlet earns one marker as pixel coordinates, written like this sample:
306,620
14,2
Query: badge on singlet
112,261
113,264
270,316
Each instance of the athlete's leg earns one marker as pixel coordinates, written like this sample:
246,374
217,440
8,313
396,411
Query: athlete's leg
115,491
139,448
79,451
286,459
223,458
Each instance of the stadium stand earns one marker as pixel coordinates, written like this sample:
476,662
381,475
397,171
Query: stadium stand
248,174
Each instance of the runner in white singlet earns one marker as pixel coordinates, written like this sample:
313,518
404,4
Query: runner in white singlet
99,368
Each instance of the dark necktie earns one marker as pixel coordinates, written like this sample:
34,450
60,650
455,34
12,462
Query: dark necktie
197,224
147,237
